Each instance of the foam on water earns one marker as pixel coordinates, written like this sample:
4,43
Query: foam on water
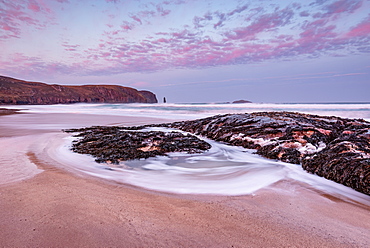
223,170
15,165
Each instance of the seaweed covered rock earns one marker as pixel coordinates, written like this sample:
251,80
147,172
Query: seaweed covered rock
115,144
332,147
345,160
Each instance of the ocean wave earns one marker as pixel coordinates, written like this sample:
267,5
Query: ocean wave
193,111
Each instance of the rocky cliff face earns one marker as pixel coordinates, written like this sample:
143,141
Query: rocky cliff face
14,91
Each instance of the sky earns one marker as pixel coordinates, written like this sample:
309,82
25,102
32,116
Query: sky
194,51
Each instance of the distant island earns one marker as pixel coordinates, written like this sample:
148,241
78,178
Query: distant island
241,101
235,102
15,91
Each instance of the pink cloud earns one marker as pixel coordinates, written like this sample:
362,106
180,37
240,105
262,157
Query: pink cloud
70,48
304,13
317,39
138,19
175,2
265,22
34,6
127,26
312,28
140,84
161,11
200,22
341,6
28,66
143,16
135,18
362,29
11,17
349,74
16,14
216,18
238,10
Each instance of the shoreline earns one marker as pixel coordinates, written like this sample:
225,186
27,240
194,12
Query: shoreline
58,208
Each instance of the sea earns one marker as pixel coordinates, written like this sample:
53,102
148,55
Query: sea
222,170
200,110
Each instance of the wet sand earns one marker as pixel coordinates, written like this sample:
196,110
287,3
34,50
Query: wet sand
57,208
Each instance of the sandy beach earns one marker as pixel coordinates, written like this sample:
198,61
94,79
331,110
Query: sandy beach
58,208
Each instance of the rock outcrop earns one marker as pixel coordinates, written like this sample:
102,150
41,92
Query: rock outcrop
241,101
332,147
115,144
14,91
4,111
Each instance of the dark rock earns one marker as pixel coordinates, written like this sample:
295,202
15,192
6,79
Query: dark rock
115,144
345,160
5,111
14,91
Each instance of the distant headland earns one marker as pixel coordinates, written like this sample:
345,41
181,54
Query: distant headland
15,91
241,101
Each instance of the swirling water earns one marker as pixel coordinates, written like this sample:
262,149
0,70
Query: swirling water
224,169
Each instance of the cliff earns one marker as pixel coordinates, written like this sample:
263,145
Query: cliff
14,91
